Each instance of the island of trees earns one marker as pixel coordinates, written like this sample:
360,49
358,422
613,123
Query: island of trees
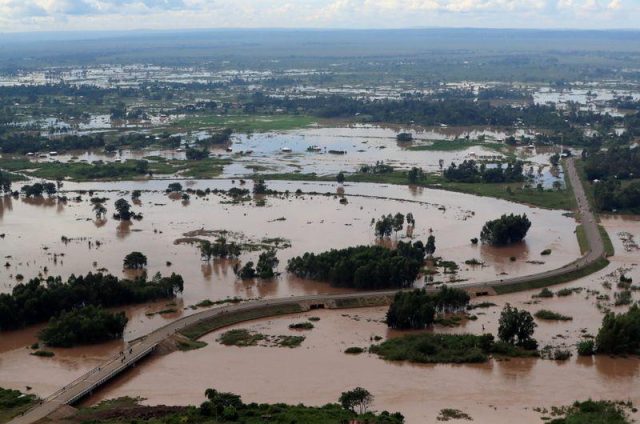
505,230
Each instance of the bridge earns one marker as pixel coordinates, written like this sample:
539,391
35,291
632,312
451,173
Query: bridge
140,348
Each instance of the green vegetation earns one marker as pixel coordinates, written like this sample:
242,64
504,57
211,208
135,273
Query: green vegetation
245,123
13,403
88,325
221,407
608,245
445,348
593,412
582,239
453,414
516,328
301,326
550,281
470,172
353,350
456,144
196,331
547,315
135,260
505,230
43,353
586,347
240,337
184,344
620,334
362,267
39,300
417,309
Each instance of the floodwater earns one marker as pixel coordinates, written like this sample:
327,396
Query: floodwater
312,223
318,371
287,151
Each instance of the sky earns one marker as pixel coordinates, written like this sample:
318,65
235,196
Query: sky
64,15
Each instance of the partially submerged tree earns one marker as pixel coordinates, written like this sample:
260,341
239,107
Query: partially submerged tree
505,230
135,260
516,327
357,398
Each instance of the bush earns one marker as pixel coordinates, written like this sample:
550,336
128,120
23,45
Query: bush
301,326
620,334
586,347
544,293
354,350
551,316
416,309
87,325
363,267
546,252
505,230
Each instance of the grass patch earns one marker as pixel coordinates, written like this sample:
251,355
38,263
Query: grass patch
582,239
301,326
593,412
547,315
13,403
354,350
430,348
289,341
240,337
185,344
246,123
544,282
608,245
453,414
457,144
43,353
198,330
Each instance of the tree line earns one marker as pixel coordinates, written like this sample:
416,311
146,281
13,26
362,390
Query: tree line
469,171
39,300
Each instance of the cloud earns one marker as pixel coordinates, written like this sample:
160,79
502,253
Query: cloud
126,14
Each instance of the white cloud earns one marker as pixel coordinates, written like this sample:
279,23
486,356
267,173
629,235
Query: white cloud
125,14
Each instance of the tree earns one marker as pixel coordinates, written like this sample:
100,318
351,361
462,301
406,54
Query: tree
554,160
34,190
505,230
5,182
620,334
340,177
135,194
516,327
357,398
414,175
87,325
260,187
135,260
247,272
398,223
99,210
174,187
384,226
123,209
411,220
266,262
430,247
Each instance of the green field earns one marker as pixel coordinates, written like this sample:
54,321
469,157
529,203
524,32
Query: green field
457,144
246,123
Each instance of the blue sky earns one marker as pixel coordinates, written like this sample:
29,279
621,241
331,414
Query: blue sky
53,15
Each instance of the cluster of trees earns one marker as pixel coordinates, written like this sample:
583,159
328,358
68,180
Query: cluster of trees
614,195
505,230
5,183
135,260
267,261
197,154
620,334
417,309
415,175
219,249
25,142
37,189
470,172
123,211
516,327
388,223
221,137
621,163
379,168
354,405
39,300
86,325
363,267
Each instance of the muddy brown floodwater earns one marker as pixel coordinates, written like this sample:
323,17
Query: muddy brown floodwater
33,242
318,371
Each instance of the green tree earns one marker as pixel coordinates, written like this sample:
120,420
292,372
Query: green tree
174,187
99,209
267,261
516,327
123,210
430,247
357,398
340,177
398,223
505,230
135,260
384,226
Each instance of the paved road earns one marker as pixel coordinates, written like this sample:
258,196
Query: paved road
90,381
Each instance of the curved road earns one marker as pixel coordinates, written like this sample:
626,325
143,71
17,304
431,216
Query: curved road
90,381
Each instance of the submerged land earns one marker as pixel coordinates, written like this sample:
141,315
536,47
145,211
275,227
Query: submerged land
176,222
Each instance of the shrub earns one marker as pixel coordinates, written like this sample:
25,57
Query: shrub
551,316
586,347
301,326
354,350
544,293
545,252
